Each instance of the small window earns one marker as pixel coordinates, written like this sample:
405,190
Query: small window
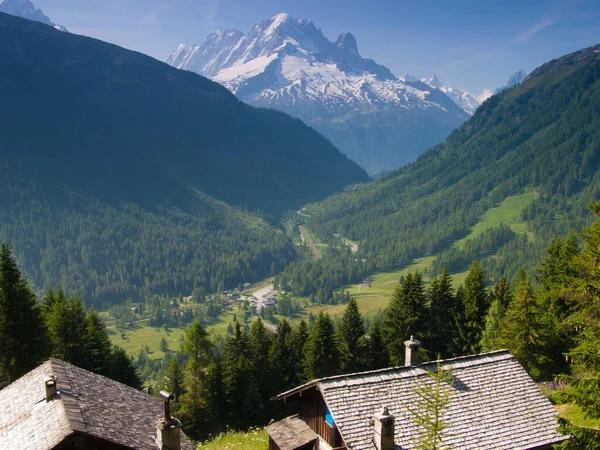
328,417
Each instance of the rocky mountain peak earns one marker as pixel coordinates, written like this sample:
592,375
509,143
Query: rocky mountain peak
27,10
347,41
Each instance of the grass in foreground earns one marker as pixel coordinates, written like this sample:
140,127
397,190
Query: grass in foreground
254,439
574,414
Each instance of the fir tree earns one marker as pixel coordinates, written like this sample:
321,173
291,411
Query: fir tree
282,357
21,325
491,336
441,330
97,343
259,344
238,383
121,368
475,301
378,353
321,354
173,380
522,330
299,338
405,316
351,340
67,329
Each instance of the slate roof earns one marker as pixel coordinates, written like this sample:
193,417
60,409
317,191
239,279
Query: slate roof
291,433
88,403
495,405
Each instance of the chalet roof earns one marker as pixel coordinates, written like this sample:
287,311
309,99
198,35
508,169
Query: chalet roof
87,403
291,433
494,404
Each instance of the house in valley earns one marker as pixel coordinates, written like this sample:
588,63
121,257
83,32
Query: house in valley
494,405
60,406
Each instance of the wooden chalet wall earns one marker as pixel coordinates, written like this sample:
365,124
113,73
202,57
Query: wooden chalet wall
312,411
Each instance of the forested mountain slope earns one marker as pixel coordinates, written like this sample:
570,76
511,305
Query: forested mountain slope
117,172
542,136
119,124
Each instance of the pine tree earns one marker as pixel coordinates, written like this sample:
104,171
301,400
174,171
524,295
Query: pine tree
522,331
67,330
282,358
259,344
378,353
215,398
405,316
491,336
502,293
475,301
321,356
238,383
198,348
299,338
351,340
173,380
21,324
441,330
97,343
122,369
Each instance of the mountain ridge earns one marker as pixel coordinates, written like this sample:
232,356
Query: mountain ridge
360,105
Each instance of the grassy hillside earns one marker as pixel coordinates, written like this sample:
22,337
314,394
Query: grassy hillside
255,439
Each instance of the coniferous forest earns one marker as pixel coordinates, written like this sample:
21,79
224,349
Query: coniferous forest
540,318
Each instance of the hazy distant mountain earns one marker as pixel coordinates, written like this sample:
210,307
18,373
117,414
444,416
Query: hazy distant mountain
26,9
469,103
377,119
516,78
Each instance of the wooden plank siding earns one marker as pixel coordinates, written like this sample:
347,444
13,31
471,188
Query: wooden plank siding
312,411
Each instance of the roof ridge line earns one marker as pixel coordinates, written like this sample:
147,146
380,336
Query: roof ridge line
387,369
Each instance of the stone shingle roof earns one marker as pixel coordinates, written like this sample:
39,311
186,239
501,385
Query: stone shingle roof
88,403
291,433
495,405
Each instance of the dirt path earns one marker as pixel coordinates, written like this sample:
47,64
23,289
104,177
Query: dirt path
306,237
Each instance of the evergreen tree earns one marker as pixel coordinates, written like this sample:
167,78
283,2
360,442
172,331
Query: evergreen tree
522,331
259,344
475,301
21,325
215,398
97,343
239,386
502,293
351,340
441,330
405,316
282,356
491,336
321,354
67,329
197,347
299,338
173,380
122,369
378,353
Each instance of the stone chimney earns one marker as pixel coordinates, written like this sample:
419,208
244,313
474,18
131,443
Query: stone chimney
50,385
383,424
168,428
411,356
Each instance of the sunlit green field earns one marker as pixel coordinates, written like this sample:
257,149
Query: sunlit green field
252,440
507,212
574,414
147,336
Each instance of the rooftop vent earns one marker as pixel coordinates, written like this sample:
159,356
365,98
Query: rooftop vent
411,356
168,435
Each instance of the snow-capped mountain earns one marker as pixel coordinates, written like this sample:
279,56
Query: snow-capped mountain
469,103
377,119
516,78
26,9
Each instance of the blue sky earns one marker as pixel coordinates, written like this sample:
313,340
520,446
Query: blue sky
469,44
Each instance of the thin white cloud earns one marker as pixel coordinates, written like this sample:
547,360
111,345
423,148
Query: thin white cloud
535,29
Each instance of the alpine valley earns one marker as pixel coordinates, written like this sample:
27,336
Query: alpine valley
379,120
121,175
